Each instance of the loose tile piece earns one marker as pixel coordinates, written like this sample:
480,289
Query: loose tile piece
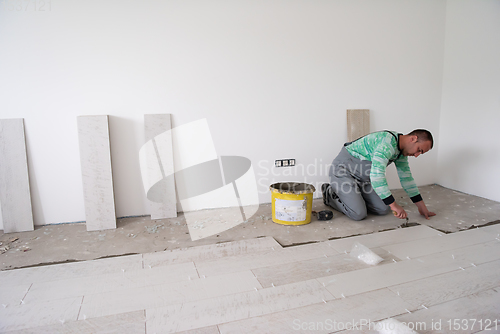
157,166
97,178
15,197
358,123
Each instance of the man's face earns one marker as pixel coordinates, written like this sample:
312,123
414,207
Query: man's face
414,148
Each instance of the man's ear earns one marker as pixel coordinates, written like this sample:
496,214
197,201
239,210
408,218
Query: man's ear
414,139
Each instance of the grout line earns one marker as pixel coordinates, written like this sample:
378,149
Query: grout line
142,260
197,273
80,309
22,300
145,320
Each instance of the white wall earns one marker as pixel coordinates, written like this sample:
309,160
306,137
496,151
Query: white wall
470,112
272,78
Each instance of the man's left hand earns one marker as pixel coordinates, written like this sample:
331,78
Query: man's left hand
423,210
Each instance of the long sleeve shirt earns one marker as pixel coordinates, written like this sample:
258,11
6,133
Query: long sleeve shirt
381,148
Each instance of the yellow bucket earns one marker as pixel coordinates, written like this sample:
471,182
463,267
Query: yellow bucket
292,203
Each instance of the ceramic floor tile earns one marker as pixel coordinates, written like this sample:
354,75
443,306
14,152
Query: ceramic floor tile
468,256
432,245
90,285
15,197
442,288
70,270
383,276
12,295
210,252
97,175
314,268
128,300
124,323
234,307
492,229
27,315
468,314
204,330
386,238
351,312
265,259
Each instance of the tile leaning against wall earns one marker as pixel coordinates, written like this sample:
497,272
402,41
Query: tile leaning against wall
15,197
97,176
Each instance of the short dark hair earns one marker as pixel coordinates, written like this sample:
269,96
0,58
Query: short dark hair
422,135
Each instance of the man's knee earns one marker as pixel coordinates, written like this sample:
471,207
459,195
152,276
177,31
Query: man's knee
382,211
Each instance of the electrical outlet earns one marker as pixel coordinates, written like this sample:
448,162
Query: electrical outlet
284,163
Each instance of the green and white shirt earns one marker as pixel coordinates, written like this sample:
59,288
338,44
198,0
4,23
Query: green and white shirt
381,148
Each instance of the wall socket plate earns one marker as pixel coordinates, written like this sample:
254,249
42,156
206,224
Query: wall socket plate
284,163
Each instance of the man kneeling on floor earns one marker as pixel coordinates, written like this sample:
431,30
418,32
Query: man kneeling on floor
357,175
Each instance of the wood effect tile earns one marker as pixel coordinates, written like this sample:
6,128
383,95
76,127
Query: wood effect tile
442,288
379,277
124,323
468,256
265,259
234,307
210,252
129,300
204,330
157,163
27,315
70,270
12,295
97,173
90,285
351,312
314,268
385,238
15,196
458,315
492,229
432,245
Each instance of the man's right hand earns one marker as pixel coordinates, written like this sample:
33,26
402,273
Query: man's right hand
398,210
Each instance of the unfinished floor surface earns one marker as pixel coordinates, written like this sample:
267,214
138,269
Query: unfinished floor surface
434,276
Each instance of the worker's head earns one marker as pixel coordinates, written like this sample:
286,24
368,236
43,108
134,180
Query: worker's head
418,142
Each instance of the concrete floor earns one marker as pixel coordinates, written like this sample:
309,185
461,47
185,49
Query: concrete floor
71,242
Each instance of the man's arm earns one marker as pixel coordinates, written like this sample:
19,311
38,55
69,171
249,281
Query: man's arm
381,155
409,185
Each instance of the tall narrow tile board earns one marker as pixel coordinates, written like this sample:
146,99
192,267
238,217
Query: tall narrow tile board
15,198
358,123
157,166
95,158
